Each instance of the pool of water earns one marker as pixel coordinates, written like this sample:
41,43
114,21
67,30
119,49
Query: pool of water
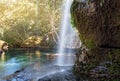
18,58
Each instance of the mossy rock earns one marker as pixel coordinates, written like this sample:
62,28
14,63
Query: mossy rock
98,23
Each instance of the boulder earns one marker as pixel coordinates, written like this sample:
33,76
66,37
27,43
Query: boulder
3,46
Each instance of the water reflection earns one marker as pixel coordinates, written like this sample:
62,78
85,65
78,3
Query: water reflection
69,58
38,53
50,56
17,59
37,65
3,57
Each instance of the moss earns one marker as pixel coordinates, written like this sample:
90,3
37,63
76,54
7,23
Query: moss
90,43
114,56
72,21
73,6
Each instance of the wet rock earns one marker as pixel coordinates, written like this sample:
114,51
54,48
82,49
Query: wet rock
47,72
3,47
61,76
99,71
106,63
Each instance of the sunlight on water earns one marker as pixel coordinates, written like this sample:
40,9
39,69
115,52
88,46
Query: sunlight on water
68,36
15,60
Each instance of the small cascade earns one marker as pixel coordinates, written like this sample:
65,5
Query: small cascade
68,37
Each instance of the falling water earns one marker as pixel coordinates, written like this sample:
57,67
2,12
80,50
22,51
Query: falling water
67,36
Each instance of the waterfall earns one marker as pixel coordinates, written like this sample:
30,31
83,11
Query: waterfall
67,36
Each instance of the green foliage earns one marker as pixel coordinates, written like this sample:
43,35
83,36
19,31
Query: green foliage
102,2
20,19
74,4
16,34
90,43
72,21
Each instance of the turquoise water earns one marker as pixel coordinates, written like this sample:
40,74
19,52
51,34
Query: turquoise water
19,58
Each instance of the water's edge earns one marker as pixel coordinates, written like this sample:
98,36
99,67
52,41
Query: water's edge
60,75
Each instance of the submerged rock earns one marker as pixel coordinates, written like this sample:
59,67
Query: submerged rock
61,76
47,72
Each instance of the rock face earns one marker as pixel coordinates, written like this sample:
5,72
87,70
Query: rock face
98,22
3,46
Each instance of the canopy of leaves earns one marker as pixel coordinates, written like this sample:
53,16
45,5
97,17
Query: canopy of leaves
21,19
